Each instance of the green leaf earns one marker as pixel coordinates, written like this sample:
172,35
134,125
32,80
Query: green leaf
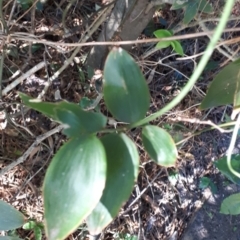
85,103
77,121
81,75
126,93
222,166
231,205
204,182
205,7
122,171
159,145
25,4
10,218
29,225
162,33
177,47
222,89
190,11
73,185
173,177
37,233
163,44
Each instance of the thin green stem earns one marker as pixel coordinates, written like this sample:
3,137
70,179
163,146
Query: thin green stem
210,48
231,147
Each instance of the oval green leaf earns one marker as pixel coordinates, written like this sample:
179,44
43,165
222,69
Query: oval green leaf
190,11
126,93
177,47
222,166
73,185
231,205
163,44
223,87
10,218
122,171
77,121
205,7
159,145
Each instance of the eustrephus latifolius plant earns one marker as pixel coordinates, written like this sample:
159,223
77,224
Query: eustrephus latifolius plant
93,173
91,176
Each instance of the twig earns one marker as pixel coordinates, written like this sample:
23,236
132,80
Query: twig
88,33
23,77
226,54
32,38
197,121
23,158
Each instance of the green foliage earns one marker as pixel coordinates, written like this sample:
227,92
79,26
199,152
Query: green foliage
125,89
125,236
90,178
73,185
10,218
223,89
159,145
25,4
206,182
192,7
221,164
77,121
176,45
231,205
36,227
122,171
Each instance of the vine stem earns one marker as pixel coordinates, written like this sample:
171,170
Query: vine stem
203,62
231,147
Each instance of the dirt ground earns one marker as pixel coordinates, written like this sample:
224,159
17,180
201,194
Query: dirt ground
208,223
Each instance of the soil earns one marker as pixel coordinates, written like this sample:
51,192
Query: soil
209,224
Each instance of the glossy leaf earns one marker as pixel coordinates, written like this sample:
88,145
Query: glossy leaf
190,11
77,121
162,33
222,89
10,218
222,166
231,205
163,44
177,47
206,182
37,233
205,7
126,93
159,145
29,225
122,171
73,185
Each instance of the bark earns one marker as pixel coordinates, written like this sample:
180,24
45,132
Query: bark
124,23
